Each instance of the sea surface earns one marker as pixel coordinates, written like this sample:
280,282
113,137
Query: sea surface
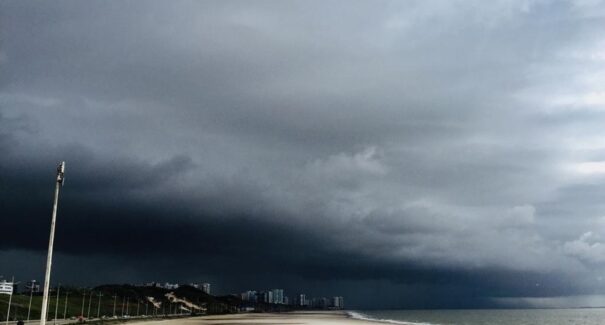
584,316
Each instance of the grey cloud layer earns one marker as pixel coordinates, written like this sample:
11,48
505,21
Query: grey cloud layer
438,136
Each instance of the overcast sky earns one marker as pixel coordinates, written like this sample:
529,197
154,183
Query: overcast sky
402,154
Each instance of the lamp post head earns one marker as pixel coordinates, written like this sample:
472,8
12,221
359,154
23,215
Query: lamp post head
61,173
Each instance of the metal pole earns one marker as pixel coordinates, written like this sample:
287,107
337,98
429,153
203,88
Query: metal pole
49,258
89,304
115,297
127,311
146,309
31,294
65,310
83,300
137,307
123,303
99,306
10,299
57,304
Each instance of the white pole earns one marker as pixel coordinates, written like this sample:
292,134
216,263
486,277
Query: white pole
89,304
49,258
57,304
31,293
10,299
99,306
83,300
65,309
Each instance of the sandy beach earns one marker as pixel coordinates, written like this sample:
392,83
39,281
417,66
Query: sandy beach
300,318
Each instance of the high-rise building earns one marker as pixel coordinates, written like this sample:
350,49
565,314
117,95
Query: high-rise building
338,302
249,295
278,296
320,303
302,300
206,287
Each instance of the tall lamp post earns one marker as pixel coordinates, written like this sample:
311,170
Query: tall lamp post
10,299
89,304
31,293
115,297
57,304
49,259
65,309
83,300
99,306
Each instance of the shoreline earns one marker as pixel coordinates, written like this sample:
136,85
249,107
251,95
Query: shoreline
296,317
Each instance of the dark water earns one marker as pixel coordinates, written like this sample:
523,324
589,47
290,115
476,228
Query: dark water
588,316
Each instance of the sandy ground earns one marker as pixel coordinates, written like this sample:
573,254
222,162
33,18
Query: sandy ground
311,318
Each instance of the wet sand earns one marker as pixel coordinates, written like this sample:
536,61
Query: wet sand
301,318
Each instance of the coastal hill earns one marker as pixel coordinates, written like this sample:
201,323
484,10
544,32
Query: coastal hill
121,300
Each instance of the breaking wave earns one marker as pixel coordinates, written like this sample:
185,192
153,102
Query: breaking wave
362,316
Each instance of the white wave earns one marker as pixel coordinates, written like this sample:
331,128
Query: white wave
362,316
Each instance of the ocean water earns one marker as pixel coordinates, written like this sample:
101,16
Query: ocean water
583,316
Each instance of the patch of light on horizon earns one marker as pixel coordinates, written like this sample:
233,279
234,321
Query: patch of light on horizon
579,144
592,100
553,302
595,52
590,168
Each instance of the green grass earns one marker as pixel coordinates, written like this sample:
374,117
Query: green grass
20,303
213,304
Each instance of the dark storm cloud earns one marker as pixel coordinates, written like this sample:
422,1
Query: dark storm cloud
419,146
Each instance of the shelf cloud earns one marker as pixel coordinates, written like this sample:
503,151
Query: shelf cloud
451,150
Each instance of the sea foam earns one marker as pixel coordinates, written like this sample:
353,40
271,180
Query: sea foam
362,316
